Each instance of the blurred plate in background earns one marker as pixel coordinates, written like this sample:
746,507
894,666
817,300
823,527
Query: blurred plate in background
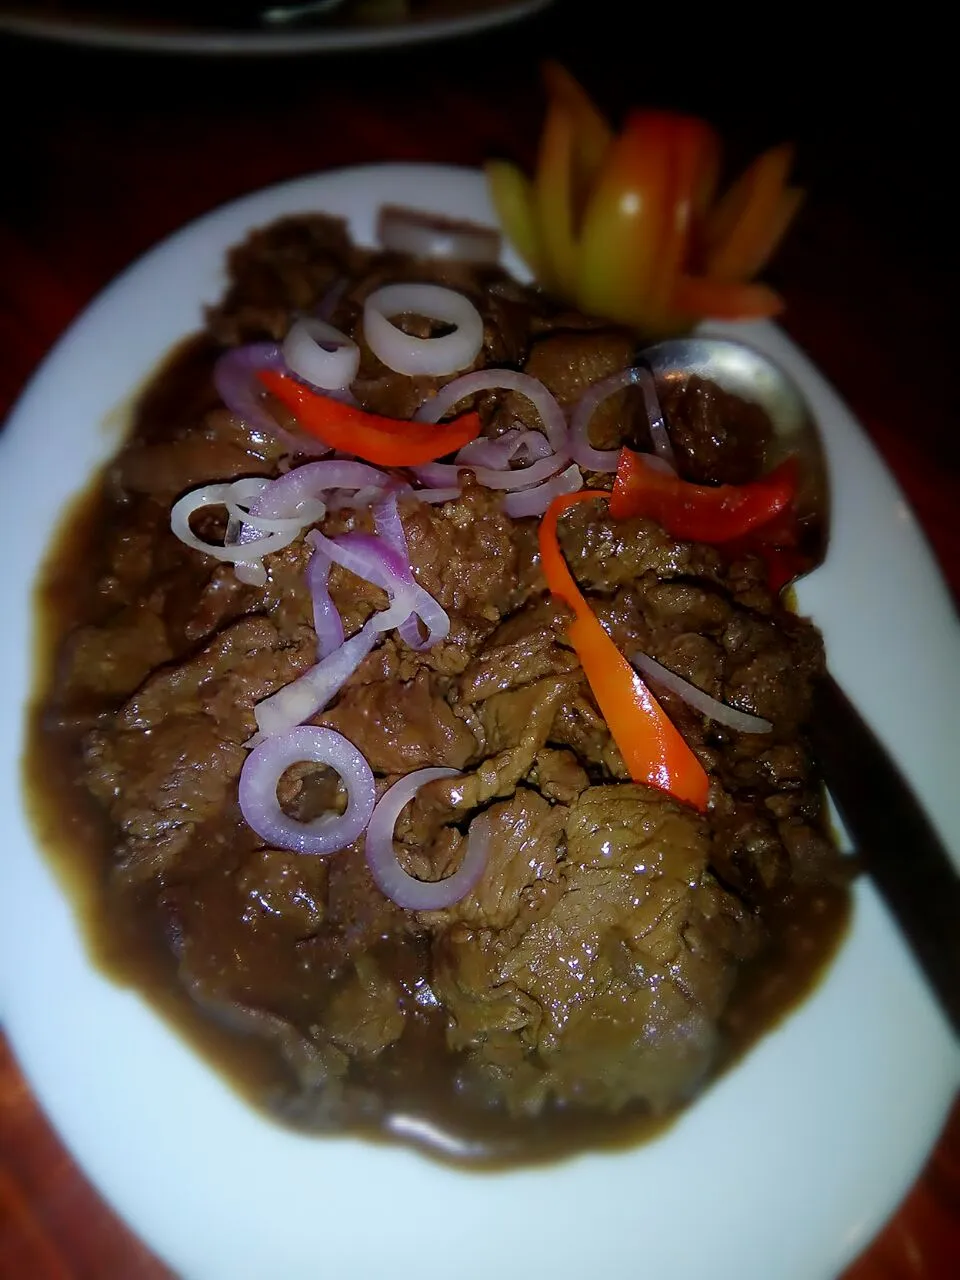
273,27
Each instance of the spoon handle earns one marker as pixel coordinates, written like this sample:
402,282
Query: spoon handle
894,838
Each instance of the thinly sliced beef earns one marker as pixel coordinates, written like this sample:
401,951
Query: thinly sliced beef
525,648
719,438
465,554
171,759
284,268
598,952
402,727
604,553
113,659
223,449
512,728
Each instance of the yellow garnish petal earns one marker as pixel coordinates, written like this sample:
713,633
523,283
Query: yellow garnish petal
740,229
592,134
511,193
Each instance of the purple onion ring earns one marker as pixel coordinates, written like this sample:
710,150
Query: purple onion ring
551,415
391,879
267,763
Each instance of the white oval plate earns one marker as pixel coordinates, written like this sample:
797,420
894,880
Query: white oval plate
136,34
785,1168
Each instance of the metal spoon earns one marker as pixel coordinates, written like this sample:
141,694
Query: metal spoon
893,836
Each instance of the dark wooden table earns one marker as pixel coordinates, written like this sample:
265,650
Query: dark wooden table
106,153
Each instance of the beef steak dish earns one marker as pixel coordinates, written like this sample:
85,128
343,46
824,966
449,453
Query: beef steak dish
619,946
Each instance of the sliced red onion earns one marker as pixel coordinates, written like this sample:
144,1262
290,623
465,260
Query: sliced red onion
448,473
288,493
390,528
439,474
234,376
545,403
659,435
246,492
370,557
531,446
431,613
320,354
391,879
424,235
214,495
581,449
243,493
296,496
317,687
328,303
499,453
432,357
534,502
342,499
386,517
484,452
700,701
436,496
267,763
326,617
366,555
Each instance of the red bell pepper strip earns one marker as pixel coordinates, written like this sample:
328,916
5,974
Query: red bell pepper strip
652,747
700,513
389,442
778,544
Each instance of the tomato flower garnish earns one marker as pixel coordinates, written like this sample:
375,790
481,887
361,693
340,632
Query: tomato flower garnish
629,226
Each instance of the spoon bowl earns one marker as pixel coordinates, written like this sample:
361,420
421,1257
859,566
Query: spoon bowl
751,376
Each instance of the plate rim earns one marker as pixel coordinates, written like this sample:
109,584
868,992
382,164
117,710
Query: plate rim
211,42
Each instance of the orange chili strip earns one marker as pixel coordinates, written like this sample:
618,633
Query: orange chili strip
702,513
701,296
751,217
651,745
553,196
389,442
766,245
